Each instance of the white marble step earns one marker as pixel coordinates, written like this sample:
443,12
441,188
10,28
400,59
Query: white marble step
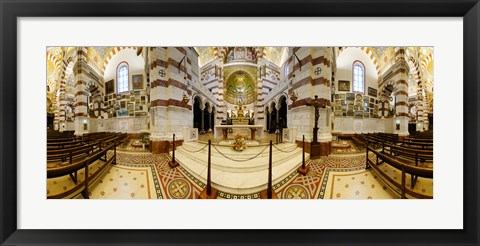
241,161
240,180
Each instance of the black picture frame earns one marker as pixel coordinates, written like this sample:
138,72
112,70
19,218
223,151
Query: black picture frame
11,10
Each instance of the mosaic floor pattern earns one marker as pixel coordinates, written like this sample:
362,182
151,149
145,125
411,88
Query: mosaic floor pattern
142,175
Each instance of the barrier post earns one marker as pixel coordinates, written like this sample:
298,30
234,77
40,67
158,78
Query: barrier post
209,192
303,170
269,193
173,163
115,152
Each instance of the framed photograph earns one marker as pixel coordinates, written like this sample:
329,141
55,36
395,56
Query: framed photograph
137,82
109,87
122,113
326,221
350,96
343,85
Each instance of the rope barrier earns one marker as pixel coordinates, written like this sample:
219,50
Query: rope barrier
195,151
285,151
240,160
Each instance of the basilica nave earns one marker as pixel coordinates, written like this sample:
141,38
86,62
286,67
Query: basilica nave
239,122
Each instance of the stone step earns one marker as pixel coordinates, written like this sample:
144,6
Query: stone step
232,177
240,161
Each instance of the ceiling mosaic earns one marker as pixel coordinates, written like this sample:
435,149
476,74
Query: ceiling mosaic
274,54
205,55
98,54
383,54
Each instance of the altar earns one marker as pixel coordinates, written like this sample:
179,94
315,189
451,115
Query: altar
223,130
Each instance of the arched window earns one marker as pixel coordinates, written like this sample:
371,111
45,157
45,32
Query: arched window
122,77
358,77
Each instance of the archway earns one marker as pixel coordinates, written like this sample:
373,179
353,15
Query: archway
267,126
212,119
197,114
282,113
273,119
206,118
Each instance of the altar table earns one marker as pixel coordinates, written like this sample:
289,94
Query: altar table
224,130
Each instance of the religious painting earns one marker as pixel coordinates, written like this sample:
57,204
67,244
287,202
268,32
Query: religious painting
109,89
123,104
343,85
142,99
132,99
130,107
137,82
372,92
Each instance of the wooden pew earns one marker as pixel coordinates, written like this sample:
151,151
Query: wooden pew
83,163
414,171
359,141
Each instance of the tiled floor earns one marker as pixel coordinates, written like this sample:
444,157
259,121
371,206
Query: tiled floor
142,175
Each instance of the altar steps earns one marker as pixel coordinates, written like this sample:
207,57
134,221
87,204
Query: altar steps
236,174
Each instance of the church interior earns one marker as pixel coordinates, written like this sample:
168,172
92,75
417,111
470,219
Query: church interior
239,122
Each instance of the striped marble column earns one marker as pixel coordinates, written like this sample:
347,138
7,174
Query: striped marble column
62,98
311,76
400,78
170,72
81,94
321,72
159,75
260,113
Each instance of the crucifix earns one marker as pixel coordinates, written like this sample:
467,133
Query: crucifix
316,105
